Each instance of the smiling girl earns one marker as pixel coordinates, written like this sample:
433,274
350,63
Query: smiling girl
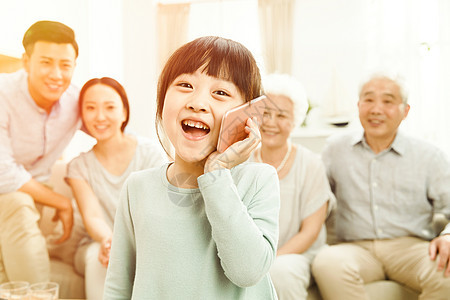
96,177
206,225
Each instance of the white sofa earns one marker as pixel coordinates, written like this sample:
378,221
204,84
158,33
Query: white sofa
72,284
383,289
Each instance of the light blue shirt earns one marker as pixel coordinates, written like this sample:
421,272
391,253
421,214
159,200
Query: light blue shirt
390,194
214,242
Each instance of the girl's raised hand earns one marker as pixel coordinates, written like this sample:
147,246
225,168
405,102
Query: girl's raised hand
238,152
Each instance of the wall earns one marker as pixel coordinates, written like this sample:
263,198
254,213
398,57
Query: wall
344,39
116,38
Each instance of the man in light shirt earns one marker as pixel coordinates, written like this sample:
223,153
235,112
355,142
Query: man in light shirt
38,117
388,187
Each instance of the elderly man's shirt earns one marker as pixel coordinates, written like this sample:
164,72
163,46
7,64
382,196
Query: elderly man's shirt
390,194
30,139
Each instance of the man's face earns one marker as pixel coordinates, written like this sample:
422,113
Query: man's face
50,68
381,109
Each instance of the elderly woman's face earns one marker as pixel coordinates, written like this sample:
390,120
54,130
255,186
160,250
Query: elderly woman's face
278,121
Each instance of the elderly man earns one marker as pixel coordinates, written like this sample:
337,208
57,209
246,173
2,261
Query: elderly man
388,186
38,117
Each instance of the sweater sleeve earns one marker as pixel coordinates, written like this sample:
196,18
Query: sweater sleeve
122,263
244,225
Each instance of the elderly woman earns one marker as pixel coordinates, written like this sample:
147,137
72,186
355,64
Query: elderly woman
305,192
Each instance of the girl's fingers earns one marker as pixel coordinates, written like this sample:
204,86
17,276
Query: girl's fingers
254,136
239,151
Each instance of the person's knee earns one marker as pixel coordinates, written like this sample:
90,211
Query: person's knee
18,208
91,256
432,280
277,269
323,260
16,200
289,270
332,262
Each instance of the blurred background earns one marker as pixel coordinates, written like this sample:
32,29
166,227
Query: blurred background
329,45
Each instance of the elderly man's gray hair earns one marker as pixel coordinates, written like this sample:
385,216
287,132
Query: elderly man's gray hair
398,79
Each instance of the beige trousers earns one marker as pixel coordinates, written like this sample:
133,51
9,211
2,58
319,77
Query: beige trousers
291,276
342,270
23,251
87,263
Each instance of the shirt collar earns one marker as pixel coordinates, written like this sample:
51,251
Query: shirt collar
357,138
398,145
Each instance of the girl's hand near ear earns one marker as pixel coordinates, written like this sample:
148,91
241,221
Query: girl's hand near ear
236,153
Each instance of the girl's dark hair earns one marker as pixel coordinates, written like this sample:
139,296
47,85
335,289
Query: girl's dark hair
113,84
218,57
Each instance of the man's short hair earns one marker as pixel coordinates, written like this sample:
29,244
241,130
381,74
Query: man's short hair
395,77
49,31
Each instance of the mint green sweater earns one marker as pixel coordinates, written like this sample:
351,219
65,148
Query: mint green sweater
214,242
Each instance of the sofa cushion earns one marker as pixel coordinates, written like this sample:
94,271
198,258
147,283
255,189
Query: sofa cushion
71,285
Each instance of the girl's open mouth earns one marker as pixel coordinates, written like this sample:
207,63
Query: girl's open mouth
195,128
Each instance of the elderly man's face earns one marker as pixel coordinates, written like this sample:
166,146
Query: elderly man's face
381,108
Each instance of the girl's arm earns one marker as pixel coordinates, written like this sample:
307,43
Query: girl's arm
244,223
92,215
309,230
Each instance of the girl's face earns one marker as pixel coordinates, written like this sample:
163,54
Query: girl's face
102,111
192,113
278,121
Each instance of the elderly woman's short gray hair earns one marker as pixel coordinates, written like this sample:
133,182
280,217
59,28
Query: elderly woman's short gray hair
288,86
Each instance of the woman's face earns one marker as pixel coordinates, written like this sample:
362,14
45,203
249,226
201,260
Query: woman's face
278,121
102,111
193,108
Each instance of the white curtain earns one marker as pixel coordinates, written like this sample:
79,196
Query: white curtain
276,24
414,39
173,25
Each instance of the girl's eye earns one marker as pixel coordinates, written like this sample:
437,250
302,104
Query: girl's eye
185,85
89,108
221,93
